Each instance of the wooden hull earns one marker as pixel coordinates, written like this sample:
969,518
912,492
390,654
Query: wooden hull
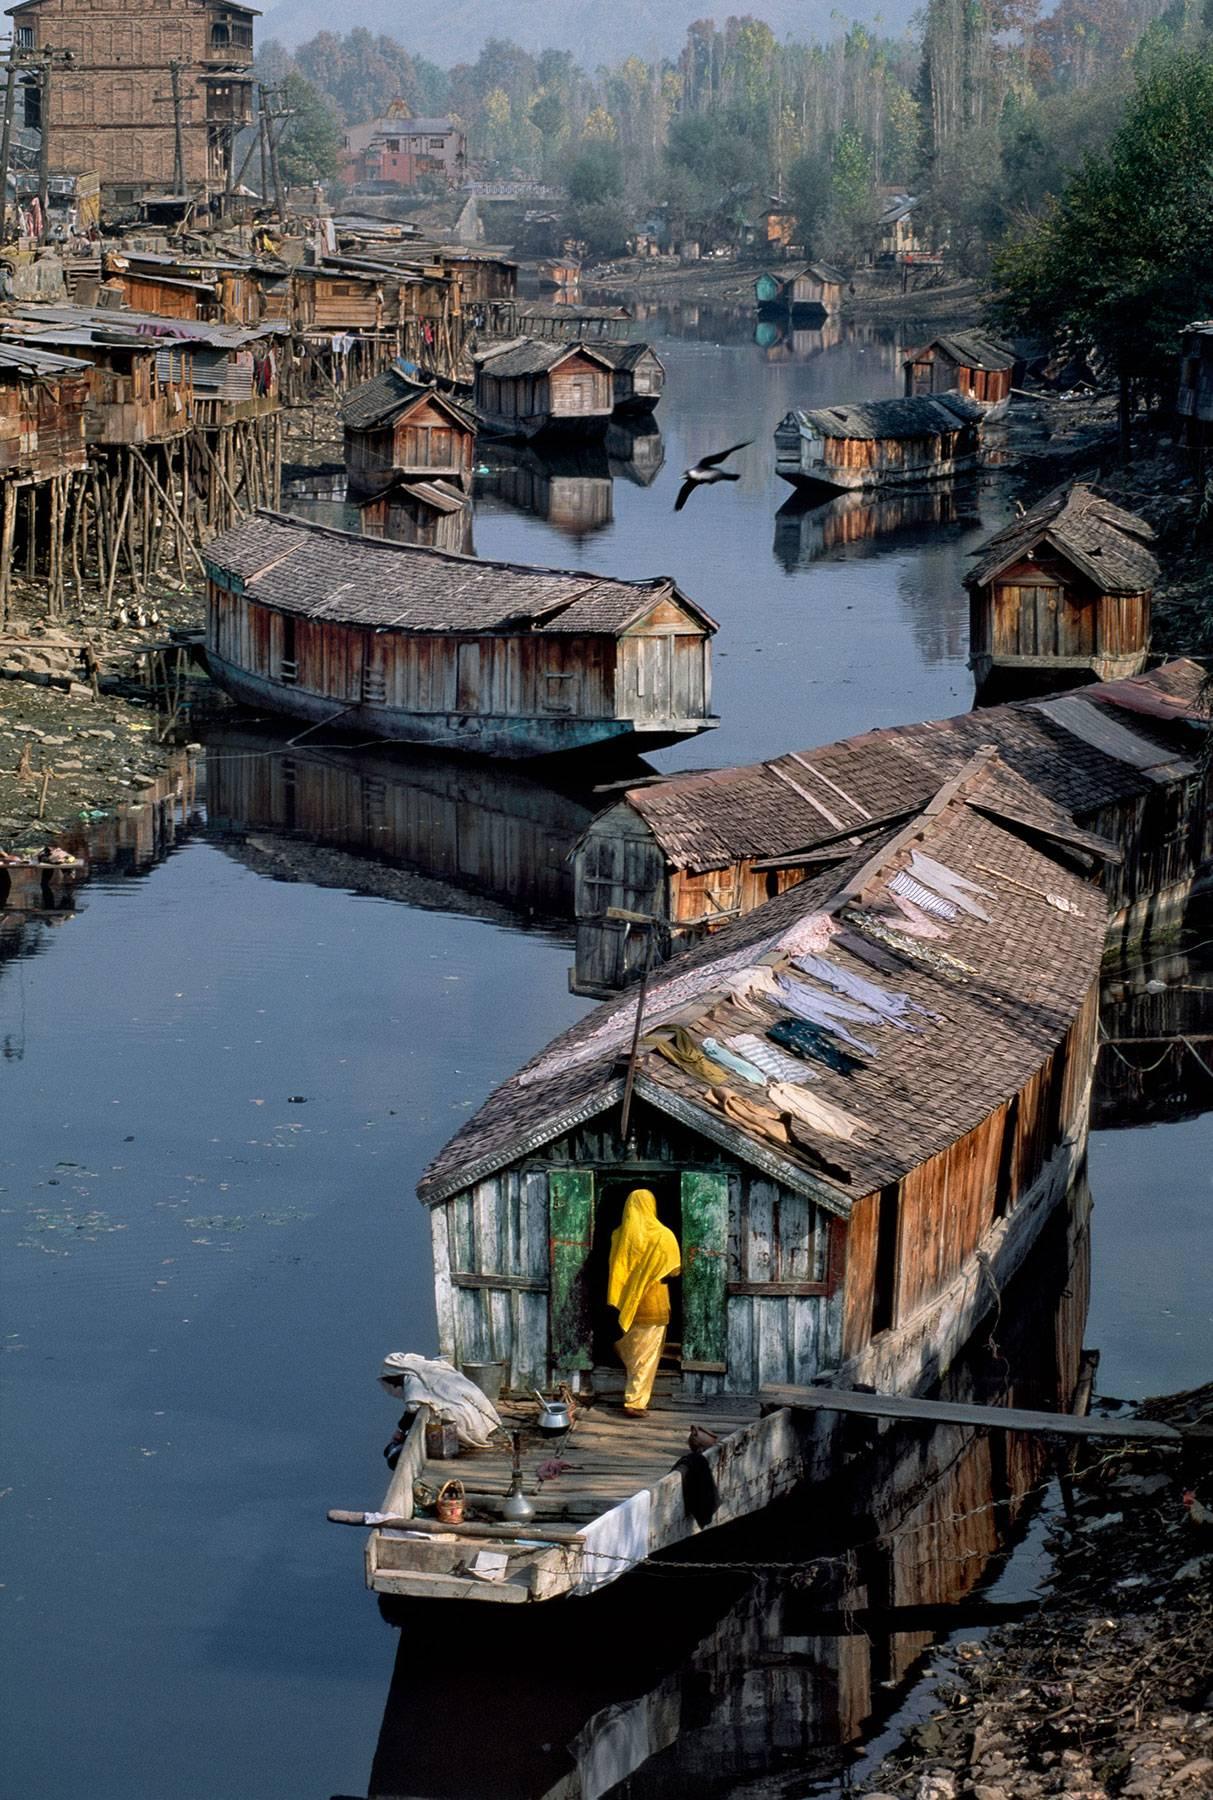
471,734
986,665
824,478
756,1462
581,428
637,406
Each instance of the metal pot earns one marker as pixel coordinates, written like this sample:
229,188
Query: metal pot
554,1419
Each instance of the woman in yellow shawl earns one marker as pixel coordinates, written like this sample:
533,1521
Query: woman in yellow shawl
644,1254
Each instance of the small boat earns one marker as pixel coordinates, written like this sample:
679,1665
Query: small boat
877,443
530,388
966,363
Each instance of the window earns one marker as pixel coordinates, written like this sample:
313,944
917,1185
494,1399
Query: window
560,693
393,145
33,106
437,143
23,37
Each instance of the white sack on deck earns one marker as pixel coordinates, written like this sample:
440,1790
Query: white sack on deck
429,1381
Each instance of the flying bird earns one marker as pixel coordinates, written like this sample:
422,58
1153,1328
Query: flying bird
706,471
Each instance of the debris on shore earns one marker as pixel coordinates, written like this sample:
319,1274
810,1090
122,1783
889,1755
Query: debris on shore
1108,1689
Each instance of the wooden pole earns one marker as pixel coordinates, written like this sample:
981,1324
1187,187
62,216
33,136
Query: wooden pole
178,138
6,138
117,539
635,918
168,501
542,1534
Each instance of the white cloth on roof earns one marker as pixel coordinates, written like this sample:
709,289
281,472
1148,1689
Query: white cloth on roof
918,894
813,933
892,1007
818,1114
433,1382
953,887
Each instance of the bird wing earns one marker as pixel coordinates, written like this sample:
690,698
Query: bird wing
684,494
709,462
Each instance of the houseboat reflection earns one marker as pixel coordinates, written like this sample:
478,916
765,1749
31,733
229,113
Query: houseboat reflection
804,534
570,488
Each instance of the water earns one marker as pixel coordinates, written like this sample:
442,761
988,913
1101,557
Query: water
219,1081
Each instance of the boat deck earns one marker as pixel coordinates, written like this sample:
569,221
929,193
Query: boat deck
619,1500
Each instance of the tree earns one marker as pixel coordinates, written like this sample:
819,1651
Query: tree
1117,266
595,173
311,140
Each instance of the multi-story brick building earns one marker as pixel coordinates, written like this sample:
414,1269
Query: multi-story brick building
111,107
397,151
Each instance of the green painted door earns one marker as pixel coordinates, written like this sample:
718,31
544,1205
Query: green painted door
570,1234
705,1271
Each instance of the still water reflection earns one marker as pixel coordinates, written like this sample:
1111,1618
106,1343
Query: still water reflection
220,1076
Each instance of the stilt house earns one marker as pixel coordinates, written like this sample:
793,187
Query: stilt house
1065,587
833,1186
400,429
965,363
43,406
525,388
1115,770
493,658
877,443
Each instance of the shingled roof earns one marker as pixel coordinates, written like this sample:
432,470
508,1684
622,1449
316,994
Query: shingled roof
972,349
989,1001
923,415
708,819
382,399
530,356
1100,540
626,356
321,573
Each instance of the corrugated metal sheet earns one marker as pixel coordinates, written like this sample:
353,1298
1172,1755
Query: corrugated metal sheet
1095,727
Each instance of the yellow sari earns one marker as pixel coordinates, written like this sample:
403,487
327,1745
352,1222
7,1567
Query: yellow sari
644,1253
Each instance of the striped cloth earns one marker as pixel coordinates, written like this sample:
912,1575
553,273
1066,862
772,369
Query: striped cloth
775,1064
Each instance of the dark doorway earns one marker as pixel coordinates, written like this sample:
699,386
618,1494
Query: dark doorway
612,1192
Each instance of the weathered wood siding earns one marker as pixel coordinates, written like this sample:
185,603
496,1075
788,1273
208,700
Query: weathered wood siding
1043,611
935,372
42,424
423,441
761,1295
664,667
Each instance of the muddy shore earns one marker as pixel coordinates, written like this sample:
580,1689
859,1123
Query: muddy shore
1108,1689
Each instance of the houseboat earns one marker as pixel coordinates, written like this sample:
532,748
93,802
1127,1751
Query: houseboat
400,429
877,443
813,288
434,514
965,363
856,1128
639,378
488,658
557,272
526,388
1116,769
1063,590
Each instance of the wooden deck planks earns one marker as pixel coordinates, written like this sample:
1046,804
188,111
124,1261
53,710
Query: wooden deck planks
951,1412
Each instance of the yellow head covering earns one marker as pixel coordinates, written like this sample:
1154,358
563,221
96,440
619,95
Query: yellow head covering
643,1252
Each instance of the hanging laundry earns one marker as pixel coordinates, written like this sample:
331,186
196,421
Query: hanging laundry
914,920
776,1065
813,933
811,1040
750,1115
725,1057
953,887
816,1158
950,967
677,1045
821,1009
816,1113
890,1007
751,984
903,883
872,954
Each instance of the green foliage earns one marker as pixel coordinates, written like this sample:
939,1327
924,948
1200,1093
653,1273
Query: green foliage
595,174
311,141
1117,265
603,226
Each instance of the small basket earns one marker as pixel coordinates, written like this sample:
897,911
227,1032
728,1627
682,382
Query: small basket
450,1503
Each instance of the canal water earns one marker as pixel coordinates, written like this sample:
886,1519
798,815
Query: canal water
220,1078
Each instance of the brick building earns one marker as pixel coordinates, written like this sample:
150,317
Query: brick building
397,151
111,107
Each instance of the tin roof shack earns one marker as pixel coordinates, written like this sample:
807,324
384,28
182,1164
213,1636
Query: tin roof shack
43,398
964,363
399,428
558,272
839,1208
181,287
354,316
1115,769
139,387
1194,403
877,443
816,288
494,658
897,238
431,513
639,377
1065,588
528,389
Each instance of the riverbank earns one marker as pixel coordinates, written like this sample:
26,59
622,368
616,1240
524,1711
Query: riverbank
1108,1689
870,296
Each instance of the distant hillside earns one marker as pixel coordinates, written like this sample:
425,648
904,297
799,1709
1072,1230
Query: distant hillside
451,31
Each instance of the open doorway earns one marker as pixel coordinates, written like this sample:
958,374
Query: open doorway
612,1192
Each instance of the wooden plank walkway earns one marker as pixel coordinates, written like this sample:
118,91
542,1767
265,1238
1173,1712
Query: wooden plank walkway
953,1412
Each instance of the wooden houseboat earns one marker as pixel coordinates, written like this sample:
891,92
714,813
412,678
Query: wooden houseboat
816,287
639,377
1063,589
526,388
558,272
877,443
491,658
434,514
556,321
401,429
965,363
1116,768
843,1222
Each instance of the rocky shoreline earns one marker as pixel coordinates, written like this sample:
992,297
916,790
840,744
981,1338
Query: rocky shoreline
1107,1690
